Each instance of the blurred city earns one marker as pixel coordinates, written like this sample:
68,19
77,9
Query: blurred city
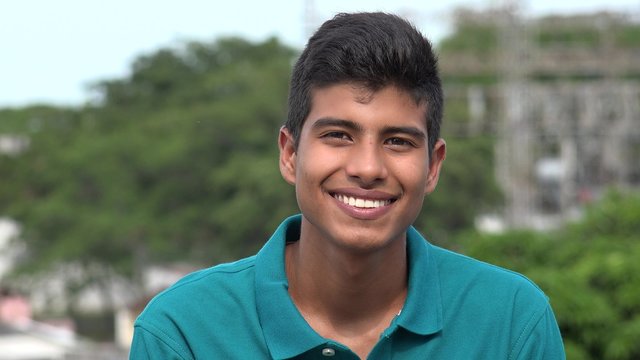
173,168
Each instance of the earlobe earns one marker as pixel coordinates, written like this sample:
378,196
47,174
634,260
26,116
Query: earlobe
438,155
286,144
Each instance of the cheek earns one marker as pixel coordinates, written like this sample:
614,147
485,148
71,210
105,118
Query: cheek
315,164
410,173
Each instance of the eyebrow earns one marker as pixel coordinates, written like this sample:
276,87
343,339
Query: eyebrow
408,130
329,121
351,125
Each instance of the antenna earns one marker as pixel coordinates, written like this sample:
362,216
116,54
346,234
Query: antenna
310,18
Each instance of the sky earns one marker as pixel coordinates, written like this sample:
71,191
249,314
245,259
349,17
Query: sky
52,51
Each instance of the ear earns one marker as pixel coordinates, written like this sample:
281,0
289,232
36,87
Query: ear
438,155
286,143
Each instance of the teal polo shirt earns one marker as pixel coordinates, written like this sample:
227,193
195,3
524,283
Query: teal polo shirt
456,308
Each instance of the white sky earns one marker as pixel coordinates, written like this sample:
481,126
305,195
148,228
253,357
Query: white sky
51,50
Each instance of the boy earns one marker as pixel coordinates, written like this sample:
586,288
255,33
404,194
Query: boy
350,278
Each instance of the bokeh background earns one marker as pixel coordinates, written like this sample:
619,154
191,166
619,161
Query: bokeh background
138,143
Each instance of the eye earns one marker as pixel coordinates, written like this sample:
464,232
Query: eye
399,142
336,136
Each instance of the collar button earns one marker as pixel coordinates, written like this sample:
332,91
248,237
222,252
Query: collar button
328,352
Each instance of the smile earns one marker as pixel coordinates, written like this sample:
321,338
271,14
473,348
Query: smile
361,203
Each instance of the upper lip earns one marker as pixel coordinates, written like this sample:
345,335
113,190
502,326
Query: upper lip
363,194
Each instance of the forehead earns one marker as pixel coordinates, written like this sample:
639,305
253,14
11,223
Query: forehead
360,103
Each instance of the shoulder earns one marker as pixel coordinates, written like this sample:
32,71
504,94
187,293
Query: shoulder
216,275
482,301
460,270
219,300
488,296
214,287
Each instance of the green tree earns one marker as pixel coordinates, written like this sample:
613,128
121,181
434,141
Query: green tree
177,161
589,270
467,187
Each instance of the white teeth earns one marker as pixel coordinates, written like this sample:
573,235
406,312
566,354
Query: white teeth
362,203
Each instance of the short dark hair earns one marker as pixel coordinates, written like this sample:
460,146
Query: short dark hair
373,50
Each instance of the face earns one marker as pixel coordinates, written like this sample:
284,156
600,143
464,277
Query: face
361,169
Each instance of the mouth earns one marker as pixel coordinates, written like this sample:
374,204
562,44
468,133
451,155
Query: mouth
362,202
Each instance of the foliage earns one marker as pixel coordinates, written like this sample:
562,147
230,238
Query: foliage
475,38
589,270
582,36
467,177
628,36
177,162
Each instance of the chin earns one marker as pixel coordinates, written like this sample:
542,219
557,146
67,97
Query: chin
366,240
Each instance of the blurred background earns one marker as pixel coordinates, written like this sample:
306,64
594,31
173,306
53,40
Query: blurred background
138,143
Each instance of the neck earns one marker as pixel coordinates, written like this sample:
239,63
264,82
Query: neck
347,288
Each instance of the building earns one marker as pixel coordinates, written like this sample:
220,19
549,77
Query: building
561,97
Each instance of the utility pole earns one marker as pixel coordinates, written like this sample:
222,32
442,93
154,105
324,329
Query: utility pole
515,145
310,18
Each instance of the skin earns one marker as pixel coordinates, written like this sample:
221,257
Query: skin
348,271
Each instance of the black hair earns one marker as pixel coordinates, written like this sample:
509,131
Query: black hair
373,50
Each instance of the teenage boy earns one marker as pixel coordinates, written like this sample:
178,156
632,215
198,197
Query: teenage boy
350,278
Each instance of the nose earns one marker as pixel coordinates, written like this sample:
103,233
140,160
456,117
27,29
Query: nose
366,164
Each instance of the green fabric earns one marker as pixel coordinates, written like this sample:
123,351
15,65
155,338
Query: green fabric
456,308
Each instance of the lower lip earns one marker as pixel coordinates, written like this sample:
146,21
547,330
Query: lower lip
363,213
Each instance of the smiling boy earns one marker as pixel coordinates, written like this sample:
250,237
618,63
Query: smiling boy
350,278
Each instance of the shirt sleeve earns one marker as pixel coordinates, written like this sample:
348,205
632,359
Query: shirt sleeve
147,345
543,342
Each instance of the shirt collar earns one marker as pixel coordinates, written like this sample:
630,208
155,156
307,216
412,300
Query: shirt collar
422,311
286,332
